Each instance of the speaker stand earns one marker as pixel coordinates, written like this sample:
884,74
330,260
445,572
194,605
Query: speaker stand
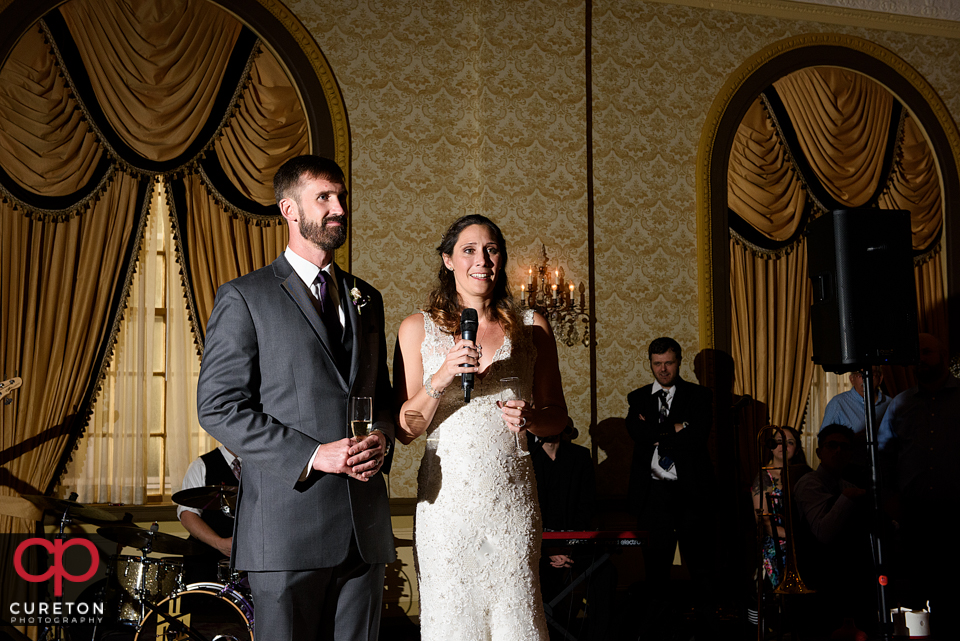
876,546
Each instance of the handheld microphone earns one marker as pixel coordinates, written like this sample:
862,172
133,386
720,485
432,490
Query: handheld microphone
468,330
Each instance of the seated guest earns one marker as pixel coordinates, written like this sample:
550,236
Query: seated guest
848,408
213,527
833,539
566,490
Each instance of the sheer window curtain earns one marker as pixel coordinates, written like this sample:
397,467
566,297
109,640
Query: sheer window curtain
186,440
824,386
111,462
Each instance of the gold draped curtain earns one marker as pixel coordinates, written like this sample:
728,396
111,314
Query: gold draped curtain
97,99
821,138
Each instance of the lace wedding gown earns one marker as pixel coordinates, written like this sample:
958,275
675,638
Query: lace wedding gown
477,536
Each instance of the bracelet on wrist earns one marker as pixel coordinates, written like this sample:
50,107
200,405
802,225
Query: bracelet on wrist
428,388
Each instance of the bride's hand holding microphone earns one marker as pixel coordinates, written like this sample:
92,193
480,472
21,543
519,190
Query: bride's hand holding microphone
463,358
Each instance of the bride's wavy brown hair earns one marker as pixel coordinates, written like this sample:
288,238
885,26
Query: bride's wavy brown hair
444,305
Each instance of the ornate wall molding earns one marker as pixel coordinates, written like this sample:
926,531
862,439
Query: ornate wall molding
826,14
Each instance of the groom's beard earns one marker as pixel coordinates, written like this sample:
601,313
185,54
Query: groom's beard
323,235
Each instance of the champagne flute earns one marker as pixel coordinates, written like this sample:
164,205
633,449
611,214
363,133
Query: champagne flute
360,413
510,391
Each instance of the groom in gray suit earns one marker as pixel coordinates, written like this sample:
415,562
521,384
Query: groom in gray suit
287,346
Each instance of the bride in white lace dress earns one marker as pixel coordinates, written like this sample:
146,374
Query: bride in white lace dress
477,536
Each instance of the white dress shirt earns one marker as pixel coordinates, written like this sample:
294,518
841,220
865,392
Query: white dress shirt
307,272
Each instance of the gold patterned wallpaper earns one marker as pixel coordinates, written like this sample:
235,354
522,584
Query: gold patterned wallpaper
479,106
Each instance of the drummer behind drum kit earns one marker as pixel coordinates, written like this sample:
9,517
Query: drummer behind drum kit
146,597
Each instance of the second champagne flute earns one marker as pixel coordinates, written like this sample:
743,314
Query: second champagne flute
510,391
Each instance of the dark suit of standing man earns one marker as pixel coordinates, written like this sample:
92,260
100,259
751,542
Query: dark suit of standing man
671,473
283,355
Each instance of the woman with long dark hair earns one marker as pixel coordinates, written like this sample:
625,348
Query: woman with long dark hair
477,536
768,494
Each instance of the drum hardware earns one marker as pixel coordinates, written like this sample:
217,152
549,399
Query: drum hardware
145,584
791,583
229,575
141,582
152,591
209,497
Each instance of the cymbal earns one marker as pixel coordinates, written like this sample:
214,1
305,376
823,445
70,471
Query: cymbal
207,497
155,541
72,508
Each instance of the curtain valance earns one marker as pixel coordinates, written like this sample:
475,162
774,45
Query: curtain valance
98,88
826,138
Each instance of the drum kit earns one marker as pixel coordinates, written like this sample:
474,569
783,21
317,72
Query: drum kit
145,598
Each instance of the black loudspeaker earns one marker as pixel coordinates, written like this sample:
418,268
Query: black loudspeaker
864,308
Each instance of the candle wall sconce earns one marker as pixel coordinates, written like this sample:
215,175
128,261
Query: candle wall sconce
547,292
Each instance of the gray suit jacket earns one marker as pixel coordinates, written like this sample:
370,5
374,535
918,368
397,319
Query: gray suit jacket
270,391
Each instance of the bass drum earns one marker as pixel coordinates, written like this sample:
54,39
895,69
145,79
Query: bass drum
204,610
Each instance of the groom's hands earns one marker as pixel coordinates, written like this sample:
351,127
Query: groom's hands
366,457
357,460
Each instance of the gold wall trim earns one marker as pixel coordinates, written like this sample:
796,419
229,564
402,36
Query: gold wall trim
724,101
828,15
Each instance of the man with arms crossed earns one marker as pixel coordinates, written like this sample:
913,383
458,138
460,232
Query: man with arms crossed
286,348
671,475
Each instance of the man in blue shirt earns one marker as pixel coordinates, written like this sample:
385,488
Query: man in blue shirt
848,408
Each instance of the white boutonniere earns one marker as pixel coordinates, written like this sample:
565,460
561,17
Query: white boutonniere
359,300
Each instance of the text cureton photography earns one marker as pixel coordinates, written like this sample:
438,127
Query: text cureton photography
40,561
